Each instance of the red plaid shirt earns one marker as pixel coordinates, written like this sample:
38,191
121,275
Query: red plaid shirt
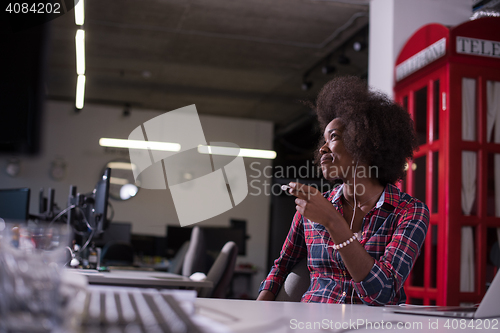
392,233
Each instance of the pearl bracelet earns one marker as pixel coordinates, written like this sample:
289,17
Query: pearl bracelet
347,242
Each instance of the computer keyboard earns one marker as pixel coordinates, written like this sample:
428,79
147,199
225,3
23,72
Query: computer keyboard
134,310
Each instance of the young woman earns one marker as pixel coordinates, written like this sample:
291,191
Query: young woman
362,238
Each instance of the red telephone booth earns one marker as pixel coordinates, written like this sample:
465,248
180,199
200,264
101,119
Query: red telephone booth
449,81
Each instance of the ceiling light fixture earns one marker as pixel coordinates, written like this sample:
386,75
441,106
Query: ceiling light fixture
80,92
139,144
358,46
121,165
168,146
243,152
118,181
128,191
80,51
80,55
79,12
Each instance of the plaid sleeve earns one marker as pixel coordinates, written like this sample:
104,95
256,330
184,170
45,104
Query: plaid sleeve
294,249
390,271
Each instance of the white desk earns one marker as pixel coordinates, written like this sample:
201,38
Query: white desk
251,316
150,279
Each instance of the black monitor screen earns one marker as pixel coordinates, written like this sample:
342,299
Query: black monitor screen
176,236
101,196
148,245
14,204
117,231
215,238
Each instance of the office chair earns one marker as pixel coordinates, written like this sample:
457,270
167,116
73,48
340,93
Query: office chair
118,253
177,261
196,255
296,283
221,272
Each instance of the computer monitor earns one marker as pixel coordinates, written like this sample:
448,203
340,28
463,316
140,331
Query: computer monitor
117,231
47,208
14,204
241,240
216,237
101,196
91,207
176,236
148,245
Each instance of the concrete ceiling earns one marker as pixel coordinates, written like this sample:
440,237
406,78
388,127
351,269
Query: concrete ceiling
230,58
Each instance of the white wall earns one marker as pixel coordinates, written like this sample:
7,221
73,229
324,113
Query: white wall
392,22
74,138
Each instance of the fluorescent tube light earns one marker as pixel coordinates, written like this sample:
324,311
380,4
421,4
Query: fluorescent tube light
80,51
80,91
139,144
79,12
118,181
121,165
243,152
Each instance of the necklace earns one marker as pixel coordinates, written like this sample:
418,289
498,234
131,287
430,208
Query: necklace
361,204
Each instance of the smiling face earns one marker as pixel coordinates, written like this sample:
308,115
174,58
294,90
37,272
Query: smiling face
336,161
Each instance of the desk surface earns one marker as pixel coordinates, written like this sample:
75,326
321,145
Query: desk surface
252,316
151,279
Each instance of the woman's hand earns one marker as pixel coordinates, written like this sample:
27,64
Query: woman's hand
313,205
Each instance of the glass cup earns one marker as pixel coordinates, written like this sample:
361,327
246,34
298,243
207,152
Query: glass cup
31,261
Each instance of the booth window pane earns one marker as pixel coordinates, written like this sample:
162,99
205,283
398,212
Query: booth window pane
469,114
467,259
469,183
435,101
419,168
435,182
493,187
493,112
434,240
493,253
417,272
421,115
405,103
